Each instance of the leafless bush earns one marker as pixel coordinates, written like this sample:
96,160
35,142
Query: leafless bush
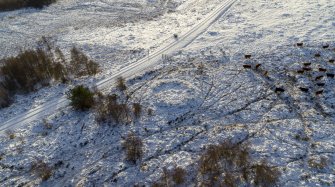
27,72
41,169
201,69
33,69
137,109
264,175
10,134
120,84
230,180
229,164
150,111
29,69
232,155
5,99
178,175
109,110
321,164
134,147
46,124
6,5
80,64
173,177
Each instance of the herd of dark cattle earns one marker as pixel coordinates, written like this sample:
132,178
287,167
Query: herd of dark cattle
305,68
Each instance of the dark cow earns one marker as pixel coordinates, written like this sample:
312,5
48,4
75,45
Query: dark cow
319,92
279,90
300,44
247,56
247,66
318,77
303,89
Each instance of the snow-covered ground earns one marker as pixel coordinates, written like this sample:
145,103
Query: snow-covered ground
191,110
102,27
261,26
114,46
131,67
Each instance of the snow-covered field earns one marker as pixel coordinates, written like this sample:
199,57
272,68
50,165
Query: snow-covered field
293,130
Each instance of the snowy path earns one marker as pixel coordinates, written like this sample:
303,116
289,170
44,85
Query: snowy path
146,62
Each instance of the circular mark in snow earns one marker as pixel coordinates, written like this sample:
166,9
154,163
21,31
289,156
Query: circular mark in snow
174,93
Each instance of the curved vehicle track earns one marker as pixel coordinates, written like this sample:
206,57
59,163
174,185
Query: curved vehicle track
141,65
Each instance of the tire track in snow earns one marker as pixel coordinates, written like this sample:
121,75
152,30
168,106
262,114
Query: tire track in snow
141,65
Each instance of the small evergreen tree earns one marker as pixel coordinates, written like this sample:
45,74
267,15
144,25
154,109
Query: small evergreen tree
81,98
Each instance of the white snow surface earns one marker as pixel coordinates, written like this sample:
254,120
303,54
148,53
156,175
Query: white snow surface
190,110
128,70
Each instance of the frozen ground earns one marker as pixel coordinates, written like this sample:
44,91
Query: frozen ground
130,67
293,130
191,111
102,27
261,26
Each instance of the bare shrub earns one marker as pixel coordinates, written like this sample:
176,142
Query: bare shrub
119,112
321,164
233,156
59,56
6,5
39,3
32,69
10,134
109,110
5,99
150,111
137,109
134,147
173,177
265,175
200,69
27,70
120,84
229,180
59,72
41,170
178,175
46,124
156,184
80,64
229,164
